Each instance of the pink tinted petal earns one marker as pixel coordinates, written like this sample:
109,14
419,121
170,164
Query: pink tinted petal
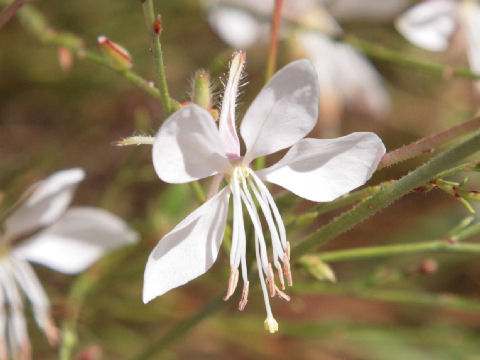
227,126
44,202
188,147
189,250
429,24
284,111
77,240
324,169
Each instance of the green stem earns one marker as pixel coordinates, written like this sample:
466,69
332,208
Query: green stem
396,296
35,22
154,29
198,191
382,53
403,249
388,195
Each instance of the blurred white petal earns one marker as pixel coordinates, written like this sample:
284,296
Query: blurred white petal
77,240
189,250
367,10
43,203
429,24
470,19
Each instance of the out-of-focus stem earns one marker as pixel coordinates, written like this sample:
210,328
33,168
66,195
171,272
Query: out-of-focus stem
382,53
35,22
273,48
11,10
403,249
429,144
154,31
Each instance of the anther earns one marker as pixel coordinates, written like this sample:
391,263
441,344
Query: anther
232,283
282,295
280,275
286,269
244,299
271,280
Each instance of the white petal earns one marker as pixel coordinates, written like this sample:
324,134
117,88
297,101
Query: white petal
188,147
44,202
470,15
324,169
377,10
189,250
77,240
284,112
429,24
360,83
235,27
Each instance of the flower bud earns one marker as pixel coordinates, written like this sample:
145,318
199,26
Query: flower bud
317,268
201,90
116,55
65,58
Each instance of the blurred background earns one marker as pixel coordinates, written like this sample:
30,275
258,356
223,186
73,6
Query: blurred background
52,119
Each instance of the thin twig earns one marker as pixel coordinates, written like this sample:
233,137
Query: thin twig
11,10
273,48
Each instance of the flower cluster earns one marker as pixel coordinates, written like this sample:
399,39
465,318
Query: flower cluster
40,228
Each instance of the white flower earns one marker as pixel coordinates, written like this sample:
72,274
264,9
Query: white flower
189,146
42,230
431,24
346,77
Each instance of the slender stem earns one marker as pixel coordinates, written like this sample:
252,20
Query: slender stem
198,191
388,195
382,53
35,22
396,296
11,10
402,249
429,144
273,48
154,30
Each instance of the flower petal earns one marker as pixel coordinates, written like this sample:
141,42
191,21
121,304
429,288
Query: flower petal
324,169
360,83
189,250
284,112
470,15
236,27
188,147
44,202
429,24
77,240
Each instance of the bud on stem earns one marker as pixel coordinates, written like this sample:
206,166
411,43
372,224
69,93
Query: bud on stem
116,55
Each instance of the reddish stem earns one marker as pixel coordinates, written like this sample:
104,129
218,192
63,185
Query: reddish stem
429,144
273,48
11,10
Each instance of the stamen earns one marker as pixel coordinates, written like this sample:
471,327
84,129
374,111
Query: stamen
276,244
280,275
282,295
271,280
232,283
244,300
276,213
271,325
286,269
